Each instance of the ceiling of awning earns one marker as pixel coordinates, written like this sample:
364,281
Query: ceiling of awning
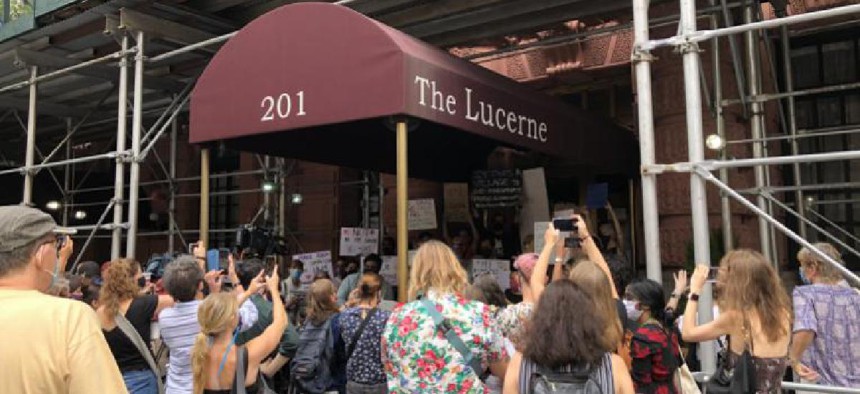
282,88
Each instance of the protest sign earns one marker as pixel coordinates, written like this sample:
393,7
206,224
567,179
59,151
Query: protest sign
535,202
497,188
422,214
389,267
358,241
456,202
501,269
316,262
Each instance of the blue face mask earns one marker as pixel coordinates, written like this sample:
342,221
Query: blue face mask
803,278
295,274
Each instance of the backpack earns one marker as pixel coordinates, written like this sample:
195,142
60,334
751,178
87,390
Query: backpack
577,381
310,369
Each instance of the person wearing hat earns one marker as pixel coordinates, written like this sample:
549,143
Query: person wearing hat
50,344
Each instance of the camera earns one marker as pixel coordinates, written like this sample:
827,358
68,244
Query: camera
260,242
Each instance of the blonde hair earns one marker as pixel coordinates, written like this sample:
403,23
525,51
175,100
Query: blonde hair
435,267
119,285
591,279
215,315
321,304
825,269
750,282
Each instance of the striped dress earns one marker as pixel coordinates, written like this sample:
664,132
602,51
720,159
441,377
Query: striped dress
601,374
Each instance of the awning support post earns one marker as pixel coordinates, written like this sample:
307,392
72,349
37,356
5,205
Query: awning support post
402,220
136,126
696,153
171,208
650,218
30,153
204,197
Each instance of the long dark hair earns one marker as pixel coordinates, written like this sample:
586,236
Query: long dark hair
650,293
565,328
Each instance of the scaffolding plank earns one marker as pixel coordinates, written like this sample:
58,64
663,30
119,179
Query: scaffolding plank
165,29
43,107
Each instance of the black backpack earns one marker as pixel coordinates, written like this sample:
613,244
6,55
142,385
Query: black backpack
576,381
310,369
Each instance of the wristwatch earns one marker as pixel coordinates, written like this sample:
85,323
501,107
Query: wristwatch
559,260
694,297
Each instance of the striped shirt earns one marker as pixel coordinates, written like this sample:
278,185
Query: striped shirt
179,328
601,374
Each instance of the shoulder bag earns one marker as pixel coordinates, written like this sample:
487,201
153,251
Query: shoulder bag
239,379
354,343
125,326
740,379
444,326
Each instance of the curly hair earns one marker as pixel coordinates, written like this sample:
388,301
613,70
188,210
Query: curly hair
119,285
558,335
750,283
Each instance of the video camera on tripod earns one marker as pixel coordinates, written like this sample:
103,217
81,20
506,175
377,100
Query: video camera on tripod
260,242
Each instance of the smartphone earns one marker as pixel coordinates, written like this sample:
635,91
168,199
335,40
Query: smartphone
567,225
213,261
191,247
571,242
712,274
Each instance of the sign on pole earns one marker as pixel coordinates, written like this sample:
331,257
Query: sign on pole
316,262
422,214
358,241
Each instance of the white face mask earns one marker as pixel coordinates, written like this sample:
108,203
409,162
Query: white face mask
633,313
56,273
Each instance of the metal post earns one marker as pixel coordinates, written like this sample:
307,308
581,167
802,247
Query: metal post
812,224
267,195
119,172
650,217
204,197
67,173
781,227
402,219
171,207
725,203
792,126
756,123
30,153
136,126
696,149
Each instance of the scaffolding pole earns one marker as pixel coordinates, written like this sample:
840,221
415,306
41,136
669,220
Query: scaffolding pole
704,173
136,126
30,153
777,96
834,225
738,163
812,224
119,171
800,134
792,126
757,128
171,207
725,204
696,153
642,66
67,173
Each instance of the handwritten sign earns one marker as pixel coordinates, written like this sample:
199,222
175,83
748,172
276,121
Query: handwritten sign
501,269
316,262
389,267
422,214
497,188
358,241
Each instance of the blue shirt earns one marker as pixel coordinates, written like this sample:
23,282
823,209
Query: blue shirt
179,329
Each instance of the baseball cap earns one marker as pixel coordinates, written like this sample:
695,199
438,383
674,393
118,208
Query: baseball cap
21,225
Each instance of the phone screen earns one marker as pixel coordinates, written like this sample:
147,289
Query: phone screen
564,224
213,261
712,274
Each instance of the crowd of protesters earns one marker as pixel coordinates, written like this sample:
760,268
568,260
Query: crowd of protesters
579,322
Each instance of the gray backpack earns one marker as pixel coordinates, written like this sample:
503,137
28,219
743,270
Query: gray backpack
310,369
576,381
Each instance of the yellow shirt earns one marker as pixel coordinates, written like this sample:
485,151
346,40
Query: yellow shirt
52,345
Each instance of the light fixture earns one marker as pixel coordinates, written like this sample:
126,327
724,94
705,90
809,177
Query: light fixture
296,198
715,142
53,205
80,215
810,200
269,186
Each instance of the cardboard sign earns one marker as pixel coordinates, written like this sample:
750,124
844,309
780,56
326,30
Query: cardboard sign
456,202
389,267
358,241
422,214
316,262
501,269
535,202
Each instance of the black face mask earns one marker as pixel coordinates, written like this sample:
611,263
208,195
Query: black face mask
141,282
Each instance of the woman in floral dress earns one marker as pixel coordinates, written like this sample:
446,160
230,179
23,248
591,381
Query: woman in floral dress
416,355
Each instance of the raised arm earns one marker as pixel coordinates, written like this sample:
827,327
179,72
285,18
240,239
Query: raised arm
263,345
593,252
680,288
691,331
538,279
560,258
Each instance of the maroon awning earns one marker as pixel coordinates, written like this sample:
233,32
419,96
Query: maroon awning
319,82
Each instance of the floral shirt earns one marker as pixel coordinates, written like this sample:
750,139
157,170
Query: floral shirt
418,358
512,320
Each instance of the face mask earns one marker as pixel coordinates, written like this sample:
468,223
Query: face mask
295,274
803,278
632,313
56,273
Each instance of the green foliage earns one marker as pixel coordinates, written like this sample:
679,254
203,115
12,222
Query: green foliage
17,8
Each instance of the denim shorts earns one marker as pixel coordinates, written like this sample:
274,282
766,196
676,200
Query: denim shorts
140,382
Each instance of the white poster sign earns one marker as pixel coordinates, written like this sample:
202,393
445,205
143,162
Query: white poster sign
358,241
501,269
535,202
422,214
316,262
389,268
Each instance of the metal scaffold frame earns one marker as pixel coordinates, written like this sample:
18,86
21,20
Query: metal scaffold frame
686,42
